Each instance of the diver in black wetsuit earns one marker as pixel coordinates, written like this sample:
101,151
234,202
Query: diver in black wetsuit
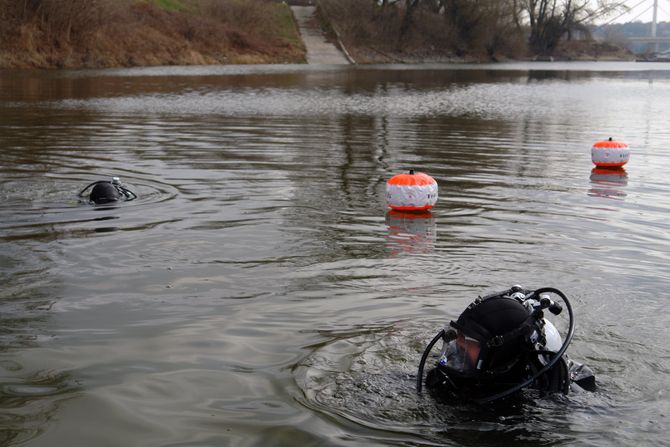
502,343
105,192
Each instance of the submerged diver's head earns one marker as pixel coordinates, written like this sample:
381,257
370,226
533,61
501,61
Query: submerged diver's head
491,332
485,347
104,192
501,344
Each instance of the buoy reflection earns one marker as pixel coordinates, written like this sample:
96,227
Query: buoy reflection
608,182
411,232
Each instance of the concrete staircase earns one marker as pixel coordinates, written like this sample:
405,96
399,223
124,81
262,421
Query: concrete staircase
319,50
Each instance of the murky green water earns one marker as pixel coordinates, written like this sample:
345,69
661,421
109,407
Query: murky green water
258,292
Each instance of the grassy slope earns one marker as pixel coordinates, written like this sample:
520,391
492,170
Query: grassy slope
149,32
171,5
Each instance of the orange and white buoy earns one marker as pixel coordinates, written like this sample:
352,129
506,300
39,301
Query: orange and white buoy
412,191
610,154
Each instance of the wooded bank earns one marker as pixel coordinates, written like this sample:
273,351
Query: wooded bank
112,33
469,30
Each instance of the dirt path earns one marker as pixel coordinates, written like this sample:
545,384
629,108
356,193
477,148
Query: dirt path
319,51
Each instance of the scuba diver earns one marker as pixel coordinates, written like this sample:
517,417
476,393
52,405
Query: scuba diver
104,192
502,343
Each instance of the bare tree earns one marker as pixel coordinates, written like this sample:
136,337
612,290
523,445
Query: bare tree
551,20
479,25
410,6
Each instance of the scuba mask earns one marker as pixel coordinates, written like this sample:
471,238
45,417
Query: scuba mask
460,353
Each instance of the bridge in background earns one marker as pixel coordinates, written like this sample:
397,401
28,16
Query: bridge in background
650,39
653,39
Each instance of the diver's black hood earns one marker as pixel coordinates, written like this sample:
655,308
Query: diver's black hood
487,318
502,325
104,192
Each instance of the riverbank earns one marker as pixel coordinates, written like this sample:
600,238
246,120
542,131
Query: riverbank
373,35
127,33
124,33
576,51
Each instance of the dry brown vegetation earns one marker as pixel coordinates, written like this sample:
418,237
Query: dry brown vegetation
466,30
111,33
383,32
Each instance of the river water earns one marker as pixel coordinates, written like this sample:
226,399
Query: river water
258,293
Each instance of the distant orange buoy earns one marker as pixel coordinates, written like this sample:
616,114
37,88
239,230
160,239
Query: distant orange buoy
610,154
412,191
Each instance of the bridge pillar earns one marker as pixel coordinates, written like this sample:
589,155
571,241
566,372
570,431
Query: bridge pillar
654,21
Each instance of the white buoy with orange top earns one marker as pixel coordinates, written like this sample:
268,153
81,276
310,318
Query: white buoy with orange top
411,191
610,154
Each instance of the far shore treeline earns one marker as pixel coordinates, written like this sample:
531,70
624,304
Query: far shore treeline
113,33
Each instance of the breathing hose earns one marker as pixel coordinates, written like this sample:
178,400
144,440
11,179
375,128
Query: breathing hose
422,363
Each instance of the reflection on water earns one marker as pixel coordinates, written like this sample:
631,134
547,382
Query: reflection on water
608,182
411,232
28,403
258,292
28,400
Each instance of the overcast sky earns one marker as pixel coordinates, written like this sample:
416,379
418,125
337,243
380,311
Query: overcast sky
641,10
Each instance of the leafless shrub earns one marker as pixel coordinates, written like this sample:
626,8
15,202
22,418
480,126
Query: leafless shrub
241,14
473,27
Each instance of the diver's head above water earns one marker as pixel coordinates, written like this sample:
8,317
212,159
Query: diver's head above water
106,192
500,344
